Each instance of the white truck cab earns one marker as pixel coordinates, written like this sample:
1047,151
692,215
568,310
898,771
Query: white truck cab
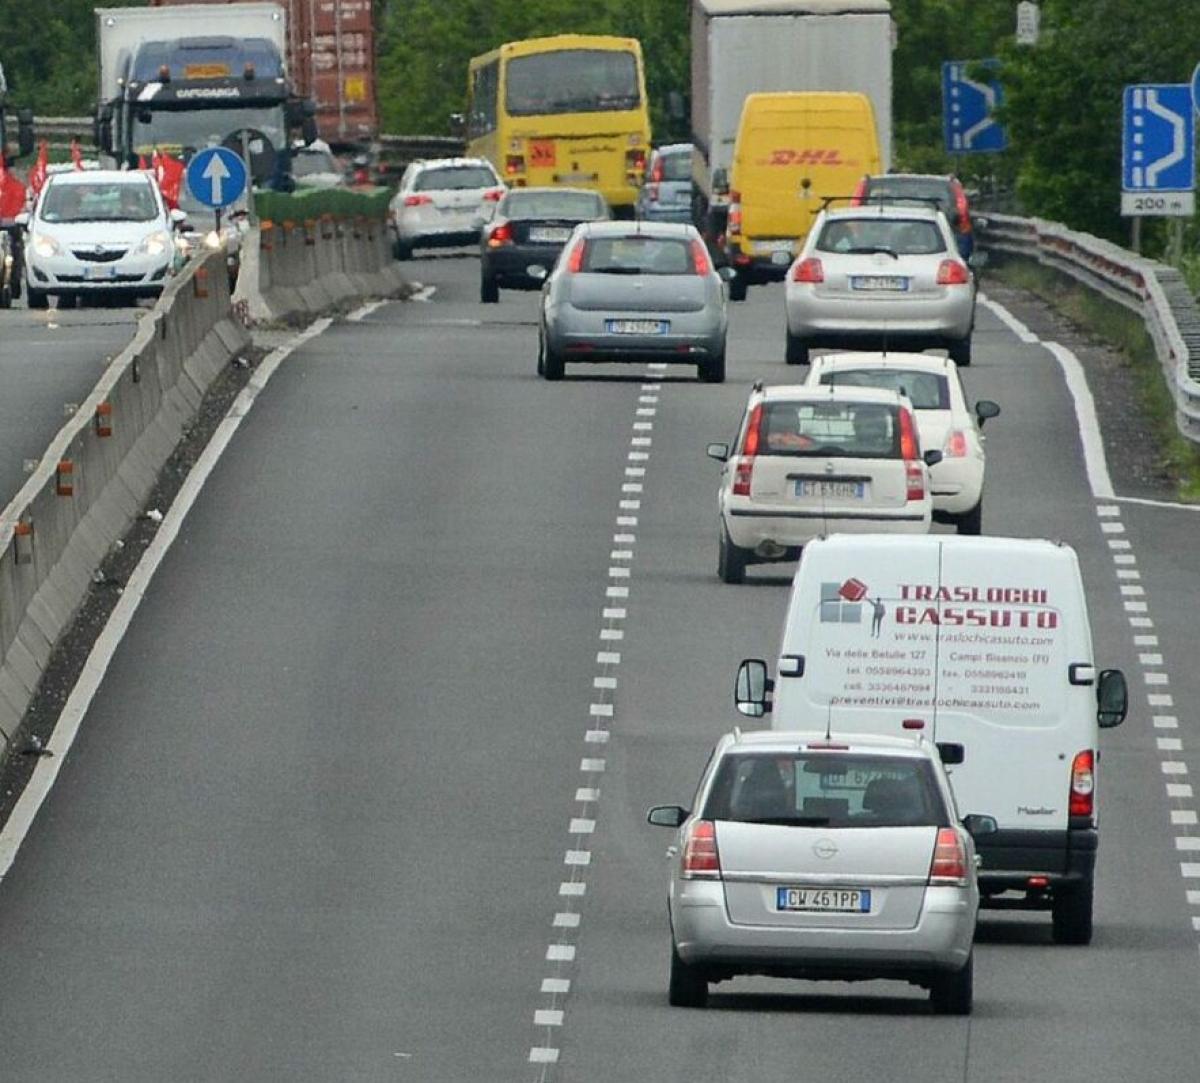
982,642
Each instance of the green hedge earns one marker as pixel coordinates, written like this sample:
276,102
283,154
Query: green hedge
318,202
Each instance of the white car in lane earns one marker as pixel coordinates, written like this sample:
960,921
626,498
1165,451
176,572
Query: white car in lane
443,202
809,461
98,232
934,387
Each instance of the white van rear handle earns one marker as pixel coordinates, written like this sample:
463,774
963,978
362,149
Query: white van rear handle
1081,673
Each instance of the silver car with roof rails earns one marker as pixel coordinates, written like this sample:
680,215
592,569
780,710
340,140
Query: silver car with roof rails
443,202
823,858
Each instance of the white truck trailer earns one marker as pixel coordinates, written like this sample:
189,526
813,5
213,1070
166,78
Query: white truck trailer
740,47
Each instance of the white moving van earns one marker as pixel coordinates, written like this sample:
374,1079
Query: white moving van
982,642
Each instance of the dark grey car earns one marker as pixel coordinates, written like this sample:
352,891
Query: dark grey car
666,194
634,291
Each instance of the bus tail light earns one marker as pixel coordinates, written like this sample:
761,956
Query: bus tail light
514,164
635,160
860,193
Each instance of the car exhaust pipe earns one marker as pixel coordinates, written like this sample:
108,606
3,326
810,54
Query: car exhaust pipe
770,550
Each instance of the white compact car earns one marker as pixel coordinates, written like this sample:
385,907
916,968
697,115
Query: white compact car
934,387
98,232
811,461
443,202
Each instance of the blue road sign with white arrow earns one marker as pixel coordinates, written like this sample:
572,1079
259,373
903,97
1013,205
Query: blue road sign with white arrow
216,176
1158,150
968,107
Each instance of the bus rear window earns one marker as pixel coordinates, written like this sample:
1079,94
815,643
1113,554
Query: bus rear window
572,81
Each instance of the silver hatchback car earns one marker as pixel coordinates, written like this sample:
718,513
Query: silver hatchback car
824,858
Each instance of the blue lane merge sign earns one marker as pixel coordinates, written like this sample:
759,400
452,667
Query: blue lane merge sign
1158,150
216,176
967,107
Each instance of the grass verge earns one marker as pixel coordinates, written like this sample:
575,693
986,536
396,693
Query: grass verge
1126,332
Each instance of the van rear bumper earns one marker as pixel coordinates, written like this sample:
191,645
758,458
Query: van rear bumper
1013,858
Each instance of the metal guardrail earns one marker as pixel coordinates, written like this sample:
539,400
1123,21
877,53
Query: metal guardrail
1156,292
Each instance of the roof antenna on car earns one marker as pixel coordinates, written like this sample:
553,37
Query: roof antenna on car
829,721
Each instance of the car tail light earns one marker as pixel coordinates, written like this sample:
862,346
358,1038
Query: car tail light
949,865
910,448
514,164
744,470
700,858
658,173
575,259
418,200
652,192
956,445
860,193
700,260
964,211
493,195
952,272
808,270
914,481
500,235
1083,784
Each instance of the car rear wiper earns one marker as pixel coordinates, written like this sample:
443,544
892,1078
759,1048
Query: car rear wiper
881,249
616,270
789,821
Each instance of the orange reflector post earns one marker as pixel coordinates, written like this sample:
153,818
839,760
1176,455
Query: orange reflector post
104,419
65,478
23,541
200,282
266,235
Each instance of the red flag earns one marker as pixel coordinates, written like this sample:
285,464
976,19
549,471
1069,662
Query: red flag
37,175
12,192
169,172
76,154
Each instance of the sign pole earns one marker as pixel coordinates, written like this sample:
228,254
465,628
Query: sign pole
1135,235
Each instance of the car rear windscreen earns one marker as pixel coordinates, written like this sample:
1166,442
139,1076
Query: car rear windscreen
926,390
581,206
902,236
639,254
677,166
454,178
826,789
868,430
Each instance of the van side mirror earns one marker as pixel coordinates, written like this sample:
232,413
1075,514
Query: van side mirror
1112,698
24,132
720,452
978,825
932,457
666,815
720,181
753,688
727,273
984,409
951,753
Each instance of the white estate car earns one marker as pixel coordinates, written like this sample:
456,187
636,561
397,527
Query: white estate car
98,232
934,387
443,202
809,461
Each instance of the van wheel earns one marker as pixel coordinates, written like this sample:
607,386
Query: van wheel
797,350
731,560
953,993
1072,913
688,987
960,351
971,522
489,292
737,288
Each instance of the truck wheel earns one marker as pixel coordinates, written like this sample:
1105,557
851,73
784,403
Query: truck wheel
953,993
37,298
971,522
1072,913
737,288
796,352
688,987
731,559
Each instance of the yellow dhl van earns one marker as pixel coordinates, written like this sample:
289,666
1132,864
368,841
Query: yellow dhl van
792,150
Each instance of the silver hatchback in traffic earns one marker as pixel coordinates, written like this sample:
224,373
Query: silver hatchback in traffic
823,858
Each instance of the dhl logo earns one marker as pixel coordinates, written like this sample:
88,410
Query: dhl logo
807,156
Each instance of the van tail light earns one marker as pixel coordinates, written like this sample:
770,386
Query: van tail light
500,235
1083,784
493,195
734,224
964,211
914,481
952,272
910,448
860,193
575,259
514,164
744,469
949,865
700,858
700,260
956,445
417,200
808,270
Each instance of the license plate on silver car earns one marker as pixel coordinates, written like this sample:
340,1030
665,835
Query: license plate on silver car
829,900
637,327
893,283
839,490
548,234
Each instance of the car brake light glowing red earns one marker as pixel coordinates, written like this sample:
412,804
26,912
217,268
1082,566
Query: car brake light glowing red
808,270
493,195
949,865
914,481
956,445
909,446
500,235
575,259
700,858
744,469
1083,784
952,272
417,200
659,171
860,193
700,260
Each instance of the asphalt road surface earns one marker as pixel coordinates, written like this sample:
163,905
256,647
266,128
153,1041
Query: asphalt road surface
362,796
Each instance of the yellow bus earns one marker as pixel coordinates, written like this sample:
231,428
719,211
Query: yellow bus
568,110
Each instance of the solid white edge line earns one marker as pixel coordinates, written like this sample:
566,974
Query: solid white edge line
1007,318
360,314
105,647
1085,415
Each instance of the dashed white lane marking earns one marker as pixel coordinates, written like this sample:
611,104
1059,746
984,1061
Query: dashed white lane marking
423,293
1155,679
360,314
101,654
549,1016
